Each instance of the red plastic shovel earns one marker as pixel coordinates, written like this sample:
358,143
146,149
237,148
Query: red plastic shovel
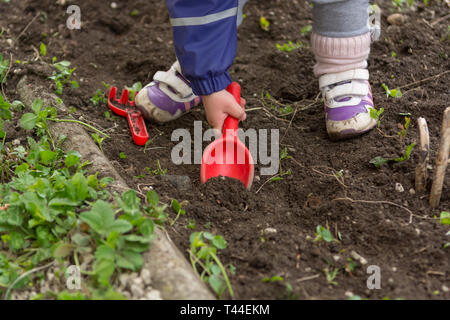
228,156
128,109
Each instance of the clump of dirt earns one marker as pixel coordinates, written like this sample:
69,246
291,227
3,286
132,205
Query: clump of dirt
228,193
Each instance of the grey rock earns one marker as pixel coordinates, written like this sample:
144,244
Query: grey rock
179,182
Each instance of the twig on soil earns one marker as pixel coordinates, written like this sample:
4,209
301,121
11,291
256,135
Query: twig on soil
5,297
439,20
385,202
421,169
335,174
423,80
441,161
252,109
267,181
28,25
308,278
416,82
295,112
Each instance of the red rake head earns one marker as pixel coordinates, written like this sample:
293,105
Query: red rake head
126,108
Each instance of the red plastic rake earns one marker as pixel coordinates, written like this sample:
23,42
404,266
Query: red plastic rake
128,109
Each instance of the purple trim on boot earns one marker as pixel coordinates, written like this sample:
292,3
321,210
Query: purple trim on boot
162,101
348,112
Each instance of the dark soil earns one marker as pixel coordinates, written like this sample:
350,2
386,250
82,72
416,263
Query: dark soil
393,230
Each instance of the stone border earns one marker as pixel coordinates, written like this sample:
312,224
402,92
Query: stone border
171,274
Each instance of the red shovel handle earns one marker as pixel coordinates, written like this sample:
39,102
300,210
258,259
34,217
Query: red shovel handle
230,122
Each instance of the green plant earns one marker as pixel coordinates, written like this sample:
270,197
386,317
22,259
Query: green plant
203,252
376,114
99,96
5,114
4,66
61,76
43,49
133,90
404,129
51,210
379,161
394,93
283,156
134,12
177,208
122,155
399,4
264,23
191,224
306,29
283,109
158,171
324,234
99,140
445,217
331,275
289,290
290,46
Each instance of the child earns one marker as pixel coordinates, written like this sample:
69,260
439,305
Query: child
205,38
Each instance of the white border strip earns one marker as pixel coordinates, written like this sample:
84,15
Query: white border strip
198,21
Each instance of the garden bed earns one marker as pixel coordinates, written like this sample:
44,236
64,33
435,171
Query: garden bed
279,228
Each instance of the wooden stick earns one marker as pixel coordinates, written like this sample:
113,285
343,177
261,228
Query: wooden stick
441,161
421,169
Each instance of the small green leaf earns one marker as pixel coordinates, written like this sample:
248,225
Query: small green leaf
219,242
28,121
43,49
445,217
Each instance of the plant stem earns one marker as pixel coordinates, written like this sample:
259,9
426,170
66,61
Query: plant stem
225,276
82,123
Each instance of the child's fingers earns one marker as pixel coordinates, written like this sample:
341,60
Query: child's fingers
243,103
235,110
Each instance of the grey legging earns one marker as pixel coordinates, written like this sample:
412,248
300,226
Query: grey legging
335,18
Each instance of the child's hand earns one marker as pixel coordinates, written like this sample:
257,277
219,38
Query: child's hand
221,104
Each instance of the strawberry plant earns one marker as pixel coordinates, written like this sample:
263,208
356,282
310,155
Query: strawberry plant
203,252
51,210
100,96
61,76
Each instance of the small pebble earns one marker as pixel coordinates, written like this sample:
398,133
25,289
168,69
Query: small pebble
358,257
138,282
349,294
445,288
412,191
123,279
136,291
113,5
9,42
270,231
146,276
396,19
399,187
153,295
15,142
